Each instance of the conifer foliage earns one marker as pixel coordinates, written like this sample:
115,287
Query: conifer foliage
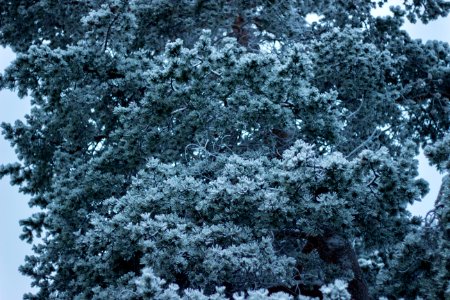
229,149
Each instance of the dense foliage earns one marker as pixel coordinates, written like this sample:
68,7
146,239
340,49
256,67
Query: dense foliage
229,149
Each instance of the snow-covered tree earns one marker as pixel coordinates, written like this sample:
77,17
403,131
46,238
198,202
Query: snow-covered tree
228,149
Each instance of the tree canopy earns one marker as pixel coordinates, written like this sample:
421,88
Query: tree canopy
201,149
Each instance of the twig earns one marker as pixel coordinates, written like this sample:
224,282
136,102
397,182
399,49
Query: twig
108,32
368,140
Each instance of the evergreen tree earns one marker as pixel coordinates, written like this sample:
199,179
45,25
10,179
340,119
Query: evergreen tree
228,149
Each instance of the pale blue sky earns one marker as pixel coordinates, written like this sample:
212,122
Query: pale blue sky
13,206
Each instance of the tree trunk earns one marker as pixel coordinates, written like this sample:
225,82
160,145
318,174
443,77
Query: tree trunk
335,249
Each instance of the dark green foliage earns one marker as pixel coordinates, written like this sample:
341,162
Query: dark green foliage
217,149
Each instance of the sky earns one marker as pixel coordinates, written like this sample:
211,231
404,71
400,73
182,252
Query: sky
14,207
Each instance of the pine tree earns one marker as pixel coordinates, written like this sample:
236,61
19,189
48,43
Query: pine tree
228,149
